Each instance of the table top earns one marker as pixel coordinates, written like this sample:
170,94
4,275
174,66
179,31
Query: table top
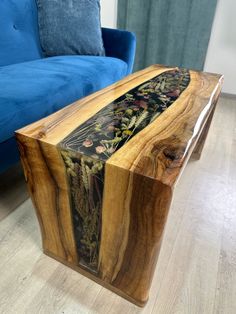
118,122
146,123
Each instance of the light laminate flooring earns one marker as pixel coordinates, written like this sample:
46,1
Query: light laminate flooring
196,270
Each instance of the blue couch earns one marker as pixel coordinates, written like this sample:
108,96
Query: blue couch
32,86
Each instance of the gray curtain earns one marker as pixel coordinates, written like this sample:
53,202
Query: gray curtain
170,32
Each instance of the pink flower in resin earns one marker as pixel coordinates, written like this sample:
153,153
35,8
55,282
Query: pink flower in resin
88,143
174,93
100,149
110,128
143,104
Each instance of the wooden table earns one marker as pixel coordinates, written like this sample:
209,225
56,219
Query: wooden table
101,172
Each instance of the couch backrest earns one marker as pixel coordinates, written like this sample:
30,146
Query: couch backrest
19,35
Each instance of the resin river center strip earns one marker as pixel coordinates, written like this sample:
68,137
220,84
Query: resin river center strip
88,147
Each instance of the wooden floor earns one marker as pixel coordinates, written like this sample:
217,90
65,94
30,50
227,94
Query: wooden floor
196,271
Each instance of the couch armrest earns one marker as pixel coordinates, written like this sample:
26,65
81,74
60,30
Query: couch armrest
120,44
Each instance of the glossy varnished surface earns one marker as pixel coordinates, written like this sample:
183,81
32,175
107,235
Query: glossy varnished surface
105,214
114,125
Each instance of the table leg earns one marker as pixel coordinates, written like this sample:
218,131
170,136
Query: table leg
197,152
135,210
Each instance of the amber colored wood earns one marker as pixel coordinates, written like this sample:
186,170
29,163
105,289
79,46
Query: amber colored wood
139,180
128,255
163,148
45,177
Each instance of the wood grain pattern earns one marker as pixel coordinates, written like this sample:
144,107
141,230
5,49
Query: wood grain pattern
128,255
45,177
139,180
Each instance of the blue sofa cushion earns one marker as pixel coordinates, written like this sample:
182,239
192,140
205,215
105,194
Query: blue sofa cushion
33,90
19,37
70,27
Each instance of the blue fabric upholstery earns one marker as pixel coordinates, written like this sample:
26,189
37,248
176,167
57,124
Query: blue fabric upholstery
33,90
32,87
19,36
120,44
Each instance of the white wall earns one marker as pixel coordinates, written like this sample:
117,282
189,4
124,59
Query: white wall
221,56
109,13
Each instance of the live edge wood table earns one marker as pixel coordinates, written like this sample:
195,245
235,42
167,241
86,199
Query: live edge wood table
101,172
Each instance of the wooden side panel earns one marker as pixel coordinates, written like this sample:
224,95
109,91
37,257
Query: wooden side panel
135,210
46,180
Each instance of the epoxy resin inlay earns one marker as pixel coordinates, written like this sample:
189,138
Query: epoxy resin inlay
114,125
88,147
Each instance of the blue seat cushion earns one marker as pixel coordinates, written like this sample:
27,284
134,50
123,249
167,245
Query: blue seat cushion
35,89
